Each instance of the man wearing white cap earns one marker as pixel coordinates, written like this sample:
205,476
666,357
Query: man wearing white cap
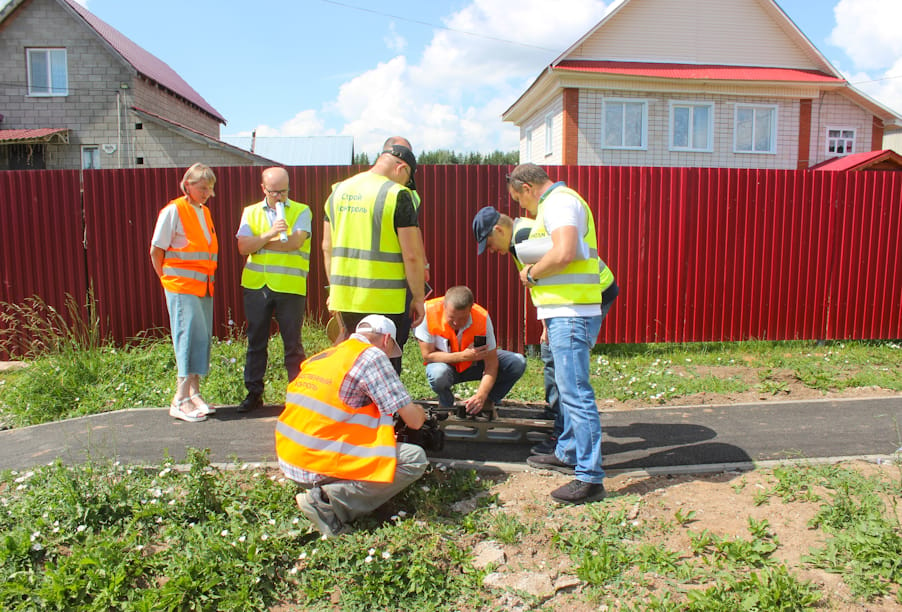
336,434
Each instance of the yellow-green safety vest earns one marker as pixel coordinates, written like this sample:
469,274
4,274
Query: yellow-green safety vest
282,271
367,269
583,280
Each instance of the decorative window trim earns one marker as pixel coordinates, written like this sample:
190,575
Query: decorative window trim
643,145
549,134
849,144
52,89
773,130
691,104
95,149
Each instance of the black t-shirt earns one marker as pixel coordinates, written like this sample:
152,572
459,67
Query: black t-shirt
405,212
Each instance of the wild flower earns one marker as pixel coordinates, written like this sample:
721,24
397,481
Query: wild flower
81,528
368,559
224,532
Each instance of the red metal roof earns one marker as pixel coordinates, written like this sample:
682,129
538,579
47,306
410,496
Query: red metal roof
33,135
145,63
697,71
860,161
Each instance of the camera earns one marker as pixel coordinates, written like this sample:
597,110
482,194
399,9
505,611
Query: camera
430,436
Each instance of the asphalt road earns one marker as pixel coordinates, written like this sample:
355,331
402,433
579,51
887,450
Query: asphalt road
683,438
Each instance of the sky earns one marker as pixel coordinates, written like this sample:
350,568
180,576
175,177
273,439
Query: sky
440,72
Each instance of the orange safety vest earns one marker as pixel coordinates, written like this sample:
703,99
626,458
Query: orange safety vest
320,433
190,269
438,326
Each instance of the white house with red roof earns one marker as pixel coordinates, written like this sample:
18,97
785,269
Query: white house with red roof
695,83
77,93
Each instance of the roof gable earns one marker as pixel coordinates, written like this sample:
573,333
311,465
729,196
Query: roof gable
730,32
145,63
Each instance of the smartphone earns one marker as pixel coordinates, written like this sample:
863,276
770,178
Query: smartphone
479,341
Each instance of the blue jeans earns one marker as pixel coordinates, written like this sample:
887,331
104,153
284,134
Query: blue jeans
571,339
442,377
191,324
552,397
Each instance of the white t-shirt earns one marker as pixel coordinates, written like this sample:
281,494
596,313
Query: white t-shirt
169,232
565,210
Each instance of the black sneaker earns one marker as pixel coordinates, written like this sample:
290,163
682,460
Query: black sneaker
545,447
578,492
550,462
251,402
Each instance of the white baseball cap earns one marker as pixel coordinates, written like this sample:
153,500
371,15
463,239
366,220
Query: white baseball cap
378,324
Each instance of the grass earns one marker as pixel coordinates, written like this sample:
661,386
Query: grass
73,372
102,536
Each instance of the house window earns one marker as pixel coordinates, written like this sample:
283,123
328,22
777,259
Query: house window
48,74
691,126
840,141
755,129
549,135
624,124
90,158
528,145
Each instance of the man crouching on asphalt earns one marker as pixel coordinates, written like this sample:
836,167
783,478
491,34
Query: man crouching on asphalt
336,434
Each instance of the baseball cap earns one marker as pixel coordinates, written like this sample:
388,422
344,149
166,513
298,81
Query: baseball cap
406,156
377,324
483,224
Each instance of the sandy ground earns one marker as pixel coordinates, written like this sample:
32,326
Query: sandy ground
722,503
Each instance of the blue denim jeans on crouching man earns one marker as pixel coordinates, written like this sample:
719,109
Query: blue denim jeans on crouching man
442,377
571,340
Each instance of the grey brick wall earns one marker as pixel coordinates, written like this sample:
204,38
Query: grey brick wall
96,107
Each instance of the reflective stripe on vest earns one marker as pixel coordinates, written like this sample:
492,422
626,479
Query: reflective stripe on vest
191,269
580,281
281,271
437,325
367,268
320,433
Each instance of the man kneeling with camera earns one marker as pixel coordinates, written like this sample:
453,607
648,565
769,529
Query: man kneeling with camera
457,340
337,433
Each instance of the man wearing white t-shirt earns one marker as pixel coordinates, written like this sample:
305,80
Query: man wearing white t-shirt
566,285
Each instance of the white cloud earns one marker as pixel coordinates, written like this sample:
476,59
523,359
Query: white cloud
305,123
868,32
452,97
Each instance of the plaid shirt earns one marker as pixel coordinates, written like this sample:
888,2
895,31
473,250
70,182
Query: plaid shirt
371,379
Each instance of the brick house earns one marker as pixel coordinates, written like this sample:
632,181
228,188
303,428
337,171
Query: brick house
79,94
695,83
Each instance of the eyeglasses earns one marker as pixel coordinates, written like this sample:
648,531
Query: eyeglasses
273,192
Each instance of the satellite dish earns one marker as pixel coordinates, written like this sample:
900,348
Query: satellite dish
108,148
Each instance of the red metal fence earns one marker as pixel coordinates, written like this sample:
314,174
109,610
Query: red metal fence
700,254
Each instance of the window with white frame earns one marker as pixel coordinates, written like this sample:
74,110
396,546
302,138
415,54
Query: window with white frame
549,135
692,126
48,74
624,124
529,145
90,157
755,129
840,141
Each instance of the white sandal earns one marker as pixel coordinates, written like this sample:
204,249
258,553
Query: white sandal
192,417
205,408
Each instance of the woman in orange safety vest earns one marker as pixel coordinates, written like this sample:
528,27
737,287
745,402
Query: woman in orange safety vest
184,252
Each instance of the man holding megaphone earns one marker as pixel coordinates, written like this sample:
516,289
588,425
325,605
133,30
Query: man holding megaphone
275,236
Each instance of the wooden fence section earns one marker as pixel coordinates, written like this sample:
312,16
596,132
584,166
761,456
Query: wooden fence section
700,254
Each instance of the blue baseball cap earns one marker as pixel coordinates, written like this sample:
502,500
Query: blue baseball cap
483,224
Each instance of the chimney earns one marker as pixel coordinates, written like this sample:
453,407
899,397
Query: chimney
253,140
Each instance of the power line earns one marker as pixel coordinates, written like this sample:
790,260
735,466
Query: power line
439,27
